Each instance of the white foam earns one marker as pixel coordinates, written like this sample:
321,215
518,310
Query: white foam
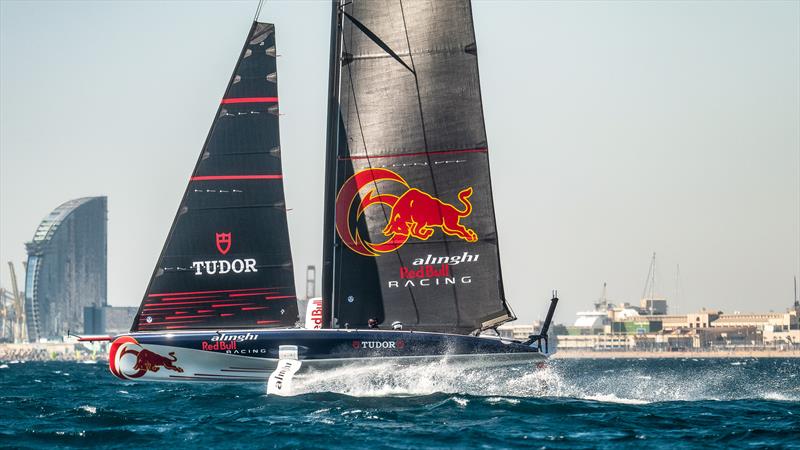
612,398
496,400
89,409
462,402
627,384
778,396
388,379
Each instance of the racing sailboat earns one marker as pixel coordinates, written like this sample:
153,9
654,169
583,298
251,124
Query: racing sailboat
411,267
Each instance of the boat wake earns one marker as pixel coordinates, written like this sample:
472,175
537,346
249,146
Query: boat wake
429,378
626,382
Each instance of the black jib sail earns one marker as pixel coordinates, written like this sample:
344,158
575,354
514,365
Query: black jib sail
410,217
227,261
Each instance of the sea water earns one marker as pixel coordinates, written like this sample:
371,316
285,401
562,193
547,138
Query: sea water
652,403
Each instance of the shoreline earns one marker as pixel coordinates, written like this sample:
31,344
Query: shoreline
68,351
567,354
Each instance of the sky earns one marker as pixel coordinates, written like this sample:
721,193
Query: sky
615,130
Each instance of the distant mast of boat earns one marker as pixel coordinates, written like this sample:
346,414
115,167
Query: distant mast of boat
651,301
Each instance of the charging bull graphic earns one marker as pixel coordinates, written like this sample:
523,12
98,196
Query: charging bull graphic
413,214
146,360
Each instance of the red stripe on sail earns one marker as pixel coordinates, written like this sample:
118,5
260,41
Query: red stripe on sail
187,317
166,299
248,294
157,306
400,155
164,294
236,177
226,101
253,308
266,322
167,323
221,305
279,297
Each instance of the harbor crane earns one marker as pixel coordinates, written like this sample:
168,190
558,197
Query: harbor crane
19,328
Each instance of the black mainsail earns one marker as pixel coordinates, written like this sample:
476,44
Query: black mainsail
410,228
227,261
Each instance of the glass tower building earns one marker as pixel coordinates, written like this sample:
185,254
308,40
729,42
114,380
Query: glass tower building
66,268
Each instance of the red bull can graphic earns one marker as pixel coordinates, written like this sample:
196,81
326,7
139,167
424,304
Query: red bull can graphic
414,213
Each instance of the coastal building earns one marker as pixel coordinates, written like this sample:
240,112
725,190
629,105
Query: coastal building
108,319
653,306
66,269
775,329
623,327
590,323
774,321
518,332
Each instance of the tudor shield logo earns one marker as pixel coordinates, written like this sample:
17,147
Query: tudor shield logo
224,266
223,242
414,213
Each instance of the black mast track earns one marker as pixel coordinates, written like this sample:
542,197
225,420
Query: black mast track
330,165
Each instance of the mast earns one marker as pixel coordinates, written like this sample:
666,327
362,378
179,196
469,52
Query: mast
602,302
330,165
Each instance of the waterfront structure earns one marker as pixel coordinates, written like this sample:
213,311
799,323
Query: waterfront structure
520,332
590,322
108,319
626,328
66,269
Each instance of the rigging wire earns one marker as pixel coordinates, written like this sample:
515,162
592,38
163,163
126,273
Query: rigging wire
258,10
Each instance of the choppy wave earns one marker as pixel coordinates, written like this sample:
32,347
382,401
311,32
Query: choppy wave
568,404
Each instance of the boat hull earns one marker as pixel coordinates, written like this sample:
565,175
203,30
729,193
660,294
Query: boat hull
252,355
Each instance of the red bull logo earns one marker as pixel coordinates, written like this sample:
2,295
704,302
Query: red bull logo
414,214
146,360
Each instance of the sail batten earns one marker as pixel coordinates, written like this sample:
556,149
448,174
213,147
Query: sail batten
229,242
416,240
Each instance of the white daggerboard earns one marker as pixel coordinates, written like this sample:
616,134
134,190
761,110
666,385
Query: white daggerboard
280,382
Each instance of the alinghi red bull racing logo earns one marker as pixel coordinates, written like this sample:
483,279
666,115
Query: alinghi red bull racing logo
414,213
